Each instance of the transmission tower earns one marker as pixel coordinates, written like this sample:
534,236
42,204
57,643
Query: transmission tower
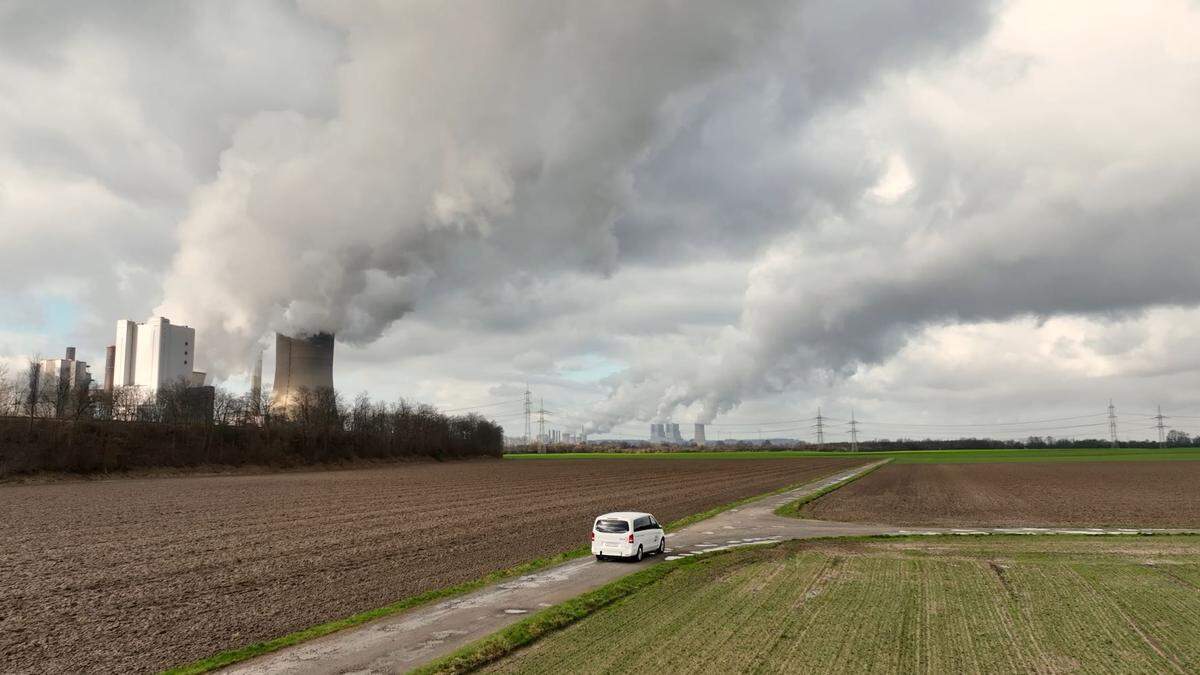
528,410
820,430
541,421
1162,430
853,432
1112,422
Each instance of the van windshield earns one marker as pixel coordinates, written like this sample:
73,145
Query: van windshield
612,526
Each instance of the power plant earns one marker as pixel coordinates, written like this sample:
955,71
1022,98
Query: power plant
302,363
698,435
61,376
665,432
657,434
154,354
673,433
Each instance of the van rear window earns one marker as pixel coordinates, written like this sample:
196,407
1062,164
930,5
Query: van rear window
612,526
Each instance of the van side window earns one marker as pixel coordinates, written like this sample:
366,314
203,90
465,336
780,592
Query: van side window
640,524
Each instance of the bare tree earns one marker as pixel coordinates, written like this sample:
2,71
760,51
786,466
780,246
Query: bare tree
227,408
8,392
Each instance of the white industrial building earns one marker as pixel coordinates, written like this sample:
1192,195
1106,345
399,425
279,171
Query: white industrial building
67,372
154,354
61,377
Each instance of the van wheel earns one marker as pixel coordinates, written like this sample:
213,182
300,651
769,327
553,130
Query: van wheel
662,545
638,557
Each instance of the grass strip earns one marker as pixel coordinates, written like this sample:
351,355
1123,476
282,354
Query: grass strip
232,656
792,509
526,631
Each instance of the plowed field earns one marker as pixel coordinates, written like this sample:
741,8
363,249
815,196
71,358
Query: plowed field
1146,494
138,575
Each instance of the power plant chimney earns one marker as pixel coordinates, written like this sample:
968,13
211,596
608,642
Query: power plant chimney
110,367
70,354
698,435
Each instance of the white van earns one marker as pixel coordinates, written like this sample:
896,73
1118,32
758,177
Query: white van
627,534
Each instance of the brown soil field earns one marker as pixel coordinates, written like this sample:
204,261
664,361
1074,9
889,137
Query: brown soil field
1146,494
139,575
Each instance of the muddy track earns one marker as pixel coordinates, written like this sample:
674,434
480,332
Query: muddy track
138,575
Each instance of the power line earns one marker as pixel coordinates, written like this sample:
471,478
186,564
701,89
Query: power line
1005,431
480,407
762,424
984,424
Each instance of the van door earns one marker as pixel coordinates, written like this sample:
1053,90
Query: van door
649,536
639,533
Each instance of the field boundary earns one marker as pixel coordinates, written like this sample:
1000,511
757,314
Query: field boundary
239,654
793,509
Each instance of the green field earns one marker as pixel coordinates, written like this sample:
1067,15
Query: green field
908,456
932,605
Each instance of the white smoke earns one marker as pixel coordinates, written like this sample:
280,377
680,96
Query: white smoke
990,199
468,141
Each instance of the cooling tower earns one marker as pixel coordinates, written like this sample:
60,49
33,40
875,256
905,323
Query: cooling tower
304,362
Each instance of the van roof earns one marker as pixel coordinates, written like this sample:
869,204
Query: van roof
622,515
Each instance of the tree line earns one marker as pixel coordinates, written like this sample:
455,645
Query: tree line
47,426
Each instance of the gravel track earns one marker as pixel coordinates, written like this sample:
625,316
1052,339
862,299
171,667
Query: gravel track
139,575
1094,494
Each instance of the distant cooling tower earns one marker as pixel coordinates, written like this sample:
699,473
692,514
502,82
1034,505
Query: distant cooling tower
302,363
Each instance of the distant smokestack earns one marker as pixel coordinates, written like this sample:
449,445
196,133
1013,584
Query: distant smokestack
304,362
698,435
110,367
70,353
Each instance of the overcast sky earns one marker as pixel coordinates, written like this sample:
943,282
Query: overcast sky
938,213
